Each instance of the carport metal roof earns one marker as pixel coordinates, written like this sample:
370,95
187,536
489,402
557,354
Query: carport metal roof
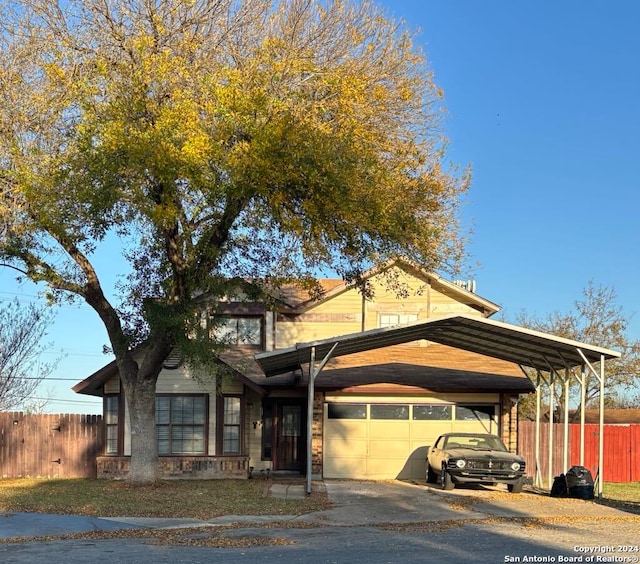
528,348
525,347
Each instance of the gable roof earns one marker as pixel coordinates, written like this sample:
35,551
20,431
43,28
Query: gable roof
93,384
299,300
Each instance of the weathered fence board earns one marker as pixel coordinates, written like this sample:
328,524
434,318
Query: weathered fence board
49,446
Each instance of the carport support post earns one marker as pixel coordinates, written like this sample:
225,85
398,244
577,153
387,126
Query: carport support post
565,452
550,451
601,442
600,377
313,372
583,402
537,442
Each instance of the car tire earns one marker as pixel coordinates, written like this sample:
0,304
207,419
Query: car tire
515,487
432,477
446,482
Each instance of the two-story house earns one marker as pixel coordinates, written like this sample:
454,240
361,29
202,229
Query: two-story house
374,412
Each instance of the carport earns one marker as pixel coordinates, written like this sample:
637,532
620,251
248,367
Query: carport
554,360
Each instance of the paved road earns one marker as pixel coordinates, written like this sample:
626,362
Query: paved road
390,522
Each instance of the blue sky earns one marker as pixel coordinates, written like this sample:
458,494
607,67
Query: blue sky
543,103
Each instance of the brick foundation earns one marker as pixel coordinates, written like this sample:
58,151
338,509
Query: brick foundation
179,467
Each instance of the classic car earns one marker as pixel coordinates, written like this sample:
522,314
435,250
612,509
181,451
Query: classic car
457,458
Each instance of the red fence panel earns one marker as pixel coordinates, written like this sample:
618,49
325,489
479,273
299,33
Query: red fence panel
621,445
634,439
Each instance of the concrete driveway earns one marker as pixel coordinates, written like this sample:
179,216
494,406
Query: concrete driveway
371,503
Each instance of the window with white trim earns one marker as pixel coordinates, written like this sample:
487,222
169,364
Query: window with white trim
237,330
395,319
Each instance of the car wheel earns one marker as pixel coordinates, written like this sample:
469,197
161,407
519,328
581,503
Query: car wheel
432,477
516,487
446,482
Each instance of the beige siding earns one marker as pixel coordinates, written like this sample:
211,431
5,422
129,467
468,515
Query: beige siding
253,433
180,381
348,312
289,333
112,386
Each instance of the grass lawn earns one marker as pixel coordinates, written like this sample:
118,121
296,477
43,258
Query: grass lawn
199,499
625,495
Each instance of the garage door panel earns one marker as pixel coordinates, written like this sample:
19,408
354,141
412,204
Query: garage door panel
392,429
346,428
385,469
388,448
430,428
348,448
344,467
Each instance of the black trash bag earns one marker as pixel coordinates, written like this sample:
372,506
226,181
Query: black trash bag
559,487
579,482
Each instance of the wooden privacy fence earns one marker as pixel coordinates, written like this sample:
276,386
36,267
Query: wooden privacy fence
49,446
621,449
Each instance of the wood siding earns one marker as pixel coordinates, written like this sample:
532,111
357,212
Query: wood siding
49,446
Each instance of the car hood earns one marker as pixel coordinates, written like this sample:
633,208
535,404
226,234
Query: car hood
483,453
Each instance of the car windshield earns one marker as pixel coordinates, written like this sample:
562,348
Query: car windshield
478,442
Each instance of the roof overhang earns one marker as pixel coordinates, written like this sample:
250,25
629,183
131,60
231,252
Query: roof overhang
526,347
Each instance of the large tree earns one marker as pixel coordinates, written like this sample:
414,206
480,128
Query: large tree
219,140
597,319
22,329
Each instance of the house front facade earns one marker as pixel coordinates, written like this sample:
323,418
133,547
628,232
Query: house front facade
374,412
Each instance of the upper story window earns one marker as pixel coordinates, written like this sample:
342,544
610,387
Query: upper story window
238,330
395,319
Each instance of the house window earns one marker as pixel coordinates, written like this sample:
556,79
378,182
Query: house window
111,431
231,424
180,424
395,319
237,330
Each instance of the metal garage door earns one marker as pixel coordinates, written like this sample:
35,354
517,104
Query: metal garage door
390,440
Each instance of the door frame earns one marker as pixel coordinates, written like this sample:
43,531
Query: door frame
278,459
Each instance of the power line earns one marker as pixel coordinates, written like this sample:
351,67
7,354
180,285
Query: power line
31,298
66,401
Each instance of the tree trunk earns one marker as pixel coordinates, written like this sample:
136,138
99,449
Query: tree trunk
141,402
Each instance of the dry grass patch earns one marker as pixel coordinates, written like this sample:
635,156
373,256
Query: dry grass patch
196,499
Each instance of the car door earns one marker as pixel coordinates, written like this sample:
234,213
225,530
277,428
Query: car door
436,454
